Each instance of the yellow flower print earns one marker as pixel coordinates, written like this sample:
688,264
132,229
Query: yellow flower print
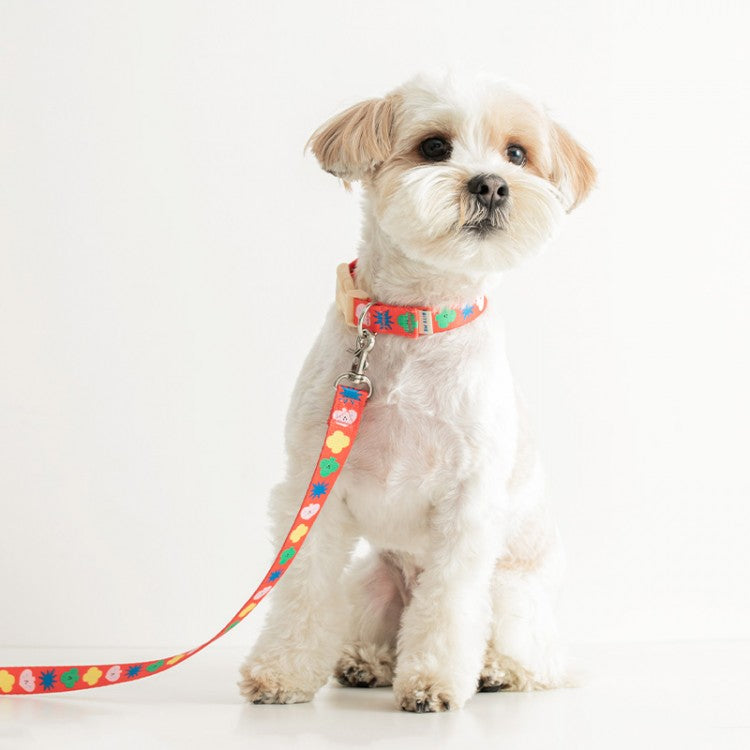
298,533
92,676
7,680
337,441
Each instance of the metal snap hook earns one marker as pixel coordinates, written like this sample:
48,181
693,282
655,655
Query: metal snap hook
362,347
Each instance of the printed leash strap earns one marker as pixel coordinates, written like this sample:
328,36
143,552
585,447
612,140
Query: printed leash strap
343,423
370,318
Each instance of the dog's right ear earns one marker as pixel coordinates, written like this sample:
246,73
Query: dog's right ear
354,142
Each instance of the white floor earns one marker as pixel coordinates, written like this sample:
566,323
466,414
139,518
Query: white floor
671,695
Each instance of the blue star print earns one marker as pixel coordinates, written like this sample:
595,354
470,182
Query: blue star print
350,395
384,320
134,670
275,575
48,679
319,489
467,311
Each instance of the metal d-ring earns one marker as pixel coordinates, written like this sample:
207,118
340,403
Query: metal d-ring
362,316
362,380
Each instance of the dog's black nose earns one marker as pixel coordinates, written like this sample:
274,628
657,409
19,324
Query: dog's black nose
491,190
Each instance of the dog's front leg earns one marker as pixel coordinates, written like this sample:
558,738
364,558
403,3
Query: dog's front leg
301,639
445,627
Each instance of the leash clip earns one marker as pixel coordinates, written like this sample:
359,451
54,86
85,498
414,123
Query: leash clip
363,345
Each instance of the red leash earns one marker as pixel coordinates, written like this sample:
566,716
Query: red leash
343,424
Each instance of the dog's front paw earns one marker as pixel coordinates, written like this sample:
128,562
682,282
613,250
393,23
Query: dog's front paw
423,695
261,685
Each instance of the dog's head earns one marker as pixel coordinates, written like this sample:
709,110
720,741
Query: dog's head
477,175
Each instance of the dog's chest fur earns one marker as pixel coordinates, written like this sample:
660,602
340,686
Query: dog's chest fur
441,406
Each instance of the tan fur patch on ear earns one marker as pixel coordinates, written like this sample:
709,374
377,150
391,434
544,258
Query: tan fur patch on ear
572,169
355,141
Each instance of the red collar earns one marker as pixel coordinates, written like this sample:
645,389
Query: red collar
409,321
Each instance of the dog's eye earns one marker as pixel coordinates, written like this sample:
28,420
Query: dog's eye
516,154
435,149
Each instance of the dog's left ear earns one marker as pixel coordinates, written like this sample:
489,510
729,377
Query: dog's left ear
572,170
356,141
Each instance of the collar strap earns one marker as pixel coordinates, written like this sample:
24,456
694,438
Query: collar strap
409,321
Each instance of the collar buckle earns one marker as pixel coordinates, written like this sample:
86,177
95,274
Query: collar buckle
346,293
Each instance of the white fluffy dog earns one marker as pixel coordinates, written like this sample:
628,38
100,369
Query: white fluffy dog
460,183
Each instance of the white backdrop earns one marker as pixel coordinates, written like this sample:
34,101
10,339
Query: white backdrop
167,253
